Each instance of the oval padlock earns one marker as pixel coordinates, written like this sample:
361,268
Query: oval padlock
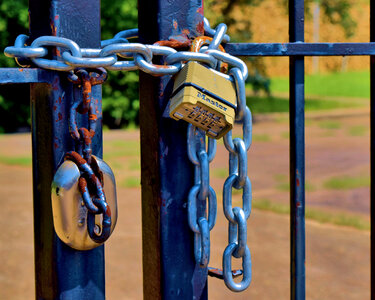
69,211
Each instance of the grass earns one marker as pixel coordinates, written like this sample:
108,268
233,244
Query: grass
261,138
347,182
340,219
134,165
359,130
130,182
220,172
16,161
285,135
347,84
279,104
119,148
329,125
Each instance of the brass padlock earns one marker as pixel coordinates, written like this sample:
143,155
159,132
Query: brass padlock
205,98
69,211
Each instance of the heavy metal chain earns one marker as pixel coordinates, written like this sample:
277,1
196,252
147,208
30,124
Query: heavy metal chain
90,181
119,54
114,54
196,141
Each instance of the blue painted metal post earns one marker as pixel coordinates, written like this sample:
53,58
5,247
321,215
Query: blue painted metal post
297,153
169,270
60,271
372,146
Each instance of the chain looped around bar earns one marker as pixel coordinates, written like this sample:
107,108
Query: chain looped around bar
118,54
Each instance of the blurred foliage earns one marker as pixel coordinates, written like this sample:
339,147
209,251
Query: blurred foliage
120,92
234,14
14,100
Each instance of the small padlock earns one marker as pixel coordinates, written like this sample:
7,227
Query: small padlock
69,211
205,98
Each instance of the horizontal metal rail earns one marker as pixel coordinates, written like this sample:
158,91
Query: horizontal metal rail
300,49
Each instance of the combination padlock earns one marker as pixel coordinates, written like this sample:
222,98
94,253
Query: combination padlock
204,97
70,213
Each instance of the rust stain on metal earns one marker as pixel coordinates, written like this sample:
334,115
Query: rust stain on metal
55,84
108,213
82,184
75,157
59,117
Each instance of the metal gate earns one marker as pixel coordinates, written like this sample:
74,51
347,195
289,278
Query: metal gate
64,273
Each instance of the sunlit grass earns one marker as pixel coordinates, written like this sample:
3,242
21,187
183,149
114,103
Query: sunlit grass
130,182
329,124
220,172
346,84
285,135
134,165
119,148
280,104
359,130
261,138
16,161
347,182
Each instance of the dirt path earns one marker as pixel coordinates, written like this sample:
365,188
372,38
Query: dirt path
337,257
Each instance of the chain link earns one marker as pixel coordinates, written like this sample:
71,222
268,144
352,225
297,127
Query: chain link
95,202
118,54
200,192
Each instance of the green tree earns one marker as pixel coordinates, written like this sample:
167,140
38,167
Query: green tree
14,101
120,92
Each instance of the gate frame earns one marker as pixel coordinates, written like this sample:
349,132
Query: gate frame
62,272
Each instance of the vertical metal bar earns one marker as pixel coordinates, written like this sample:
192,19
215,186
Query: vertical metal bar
169,270
297,153
60,271
372,146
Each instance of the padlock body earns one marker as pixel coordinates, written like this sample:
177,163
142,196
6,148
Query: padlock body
205,98
69,211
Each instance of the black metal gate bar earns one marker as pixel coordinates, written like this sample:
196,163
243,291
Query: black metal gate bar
169,269
372,147
300,48
297,153
60,271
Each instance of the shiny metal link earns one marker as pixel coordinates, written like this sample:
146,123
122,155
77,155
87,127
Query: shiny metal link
238,232
200,193
202,242
246,131
127,48
189,56
56,42
204,170
91,62
218,37
137,56
230,60
238,163
211,32
192,208
227,269
156,69
20,49
192,143
241,92
227,198
237,217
